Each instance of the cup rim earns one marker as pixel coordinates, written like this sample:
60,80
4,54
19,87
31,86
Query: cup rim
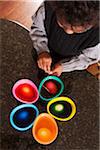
33,129
46,79
22,81
18,108
62,98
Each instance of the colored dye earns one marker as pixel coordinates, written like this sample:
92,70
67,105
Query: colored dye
60,109
47,91
26,92
44,134
24,117
45,129
51,87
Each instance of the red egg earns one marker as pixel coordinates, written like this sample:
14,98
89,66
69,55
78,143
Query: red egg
25,92
51,87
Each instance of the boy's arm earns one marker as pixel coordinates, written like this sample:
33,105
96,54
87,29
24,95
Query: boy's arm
88,57
37,32
40,41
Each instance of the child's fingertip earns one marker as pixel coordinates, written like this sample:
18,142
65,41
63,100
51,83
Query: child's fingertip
50,72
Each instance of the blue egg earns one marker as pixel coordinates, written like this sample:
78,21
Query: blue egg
22,117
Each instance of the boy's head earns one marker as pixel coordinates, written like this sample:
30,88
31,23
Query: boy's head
76,16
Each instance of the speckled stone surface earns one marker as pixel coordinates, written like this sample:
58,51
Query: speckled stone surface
80,133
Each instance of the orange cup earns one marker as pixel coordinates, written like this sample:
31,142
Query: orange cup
45,129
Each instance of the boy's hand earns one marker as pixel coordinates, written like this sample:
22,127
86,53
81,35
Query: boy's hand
57,70
44,61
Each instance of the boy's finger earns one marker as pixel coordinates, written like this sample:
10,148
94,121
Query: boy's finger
40,64
54,70
48,67
45,65
45,68
55,73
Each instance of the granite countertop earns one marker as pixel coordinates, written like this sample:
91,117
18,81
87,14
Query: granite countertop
80,133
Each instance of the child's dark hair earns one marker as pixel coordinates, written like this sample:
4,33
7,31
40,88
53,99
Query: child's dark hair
77,12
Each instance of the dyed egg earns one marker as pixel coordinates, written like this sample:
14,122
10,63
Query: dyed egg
45,129
22,117
50,87
25,91
61,108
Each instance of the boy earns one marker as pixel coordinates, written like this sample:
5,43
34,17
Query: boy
65,35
